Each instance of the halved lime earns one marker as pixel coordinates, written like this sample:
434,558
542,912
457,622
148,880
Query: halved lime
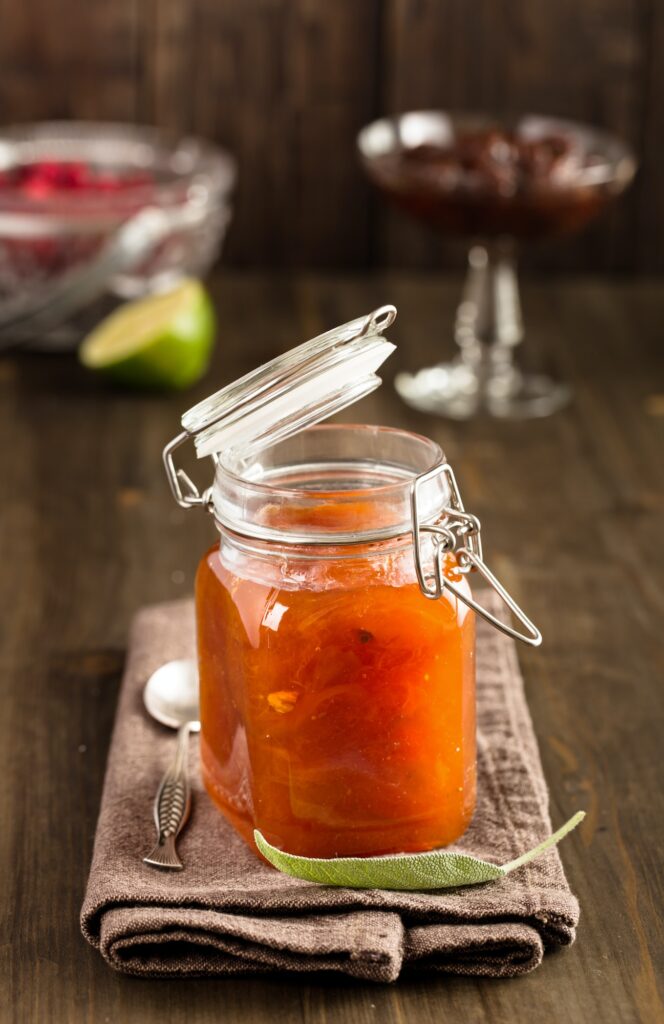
163,341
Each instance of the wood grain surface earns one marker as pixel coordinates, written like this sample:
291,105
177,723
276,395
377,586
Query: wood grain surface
572,514
286,84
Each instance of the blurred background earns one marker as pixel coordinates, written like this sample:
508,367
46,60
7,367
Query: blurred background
285,85
570,501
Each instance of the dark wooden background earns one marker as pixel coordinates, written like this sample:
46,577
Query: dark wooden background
286,84
571,508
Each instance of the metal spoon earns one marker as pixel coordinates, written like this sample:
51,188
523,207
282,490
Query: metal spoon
171,697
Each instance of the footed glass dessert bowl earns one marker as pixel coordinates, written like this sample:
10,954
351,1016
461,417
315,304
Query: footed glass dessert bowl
498,183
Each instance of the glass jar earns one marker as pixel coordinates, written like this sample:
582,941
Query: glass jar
335,621
337,702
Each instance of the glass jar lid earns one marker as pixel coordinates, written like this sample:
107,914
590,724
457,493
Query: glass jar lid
294,391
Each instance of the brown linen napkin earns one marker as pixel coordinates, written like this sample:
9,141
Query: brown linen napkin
228,913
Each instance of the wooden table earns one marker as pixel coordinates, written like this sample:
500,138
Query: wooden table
572,513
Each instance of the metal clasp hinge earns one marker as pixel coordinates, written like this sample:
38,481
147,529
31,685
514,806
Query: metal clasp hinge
458,531
183,488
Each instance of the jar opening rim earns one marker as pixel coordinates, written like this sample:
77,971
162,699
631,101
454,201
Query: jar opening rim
226,461
331,483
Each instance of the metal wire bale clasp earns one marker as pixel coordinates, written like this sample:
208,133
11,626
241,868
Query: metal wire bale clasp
183,489
459,531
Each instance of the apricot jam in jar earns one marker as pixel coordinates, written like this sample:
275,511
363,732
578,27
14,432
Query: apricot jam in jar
335,621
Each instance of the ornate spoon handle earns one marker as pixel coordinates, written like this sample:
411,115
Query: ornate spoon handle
171,807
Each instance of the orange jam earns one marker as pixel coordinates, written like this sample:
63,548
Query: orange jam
337,702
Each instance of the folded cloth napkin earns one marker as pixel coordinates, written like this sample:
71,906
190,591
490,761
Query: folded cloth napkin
228,913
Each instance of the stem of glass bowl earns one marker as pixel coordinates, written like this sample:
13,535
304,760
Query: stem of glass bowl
488,327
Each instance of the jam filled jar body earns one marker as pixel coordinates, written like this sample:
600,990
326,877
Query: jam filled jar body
337,701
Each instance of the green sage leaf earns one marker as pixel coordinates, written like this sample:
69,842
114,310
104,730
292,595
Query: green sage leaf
437,869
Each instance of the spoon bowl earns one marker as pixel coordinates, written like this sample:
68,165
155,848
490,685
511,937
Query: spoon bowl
171,694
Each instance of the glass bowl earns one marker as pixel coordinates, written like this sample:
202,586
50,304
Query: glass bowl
498,183
475,175
66,187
